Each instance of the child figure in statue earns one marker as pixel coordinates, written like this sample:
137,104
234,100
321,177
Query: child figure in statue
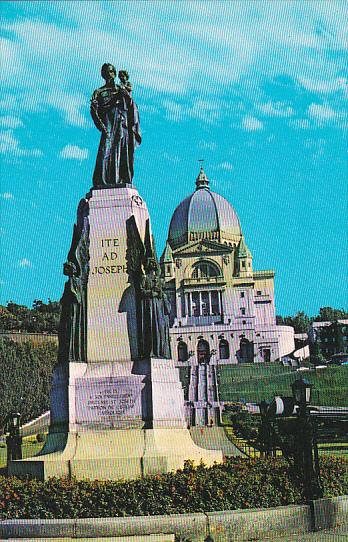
116,115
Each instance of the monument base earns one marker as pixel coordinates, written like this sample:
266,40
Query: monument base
114,454
115,420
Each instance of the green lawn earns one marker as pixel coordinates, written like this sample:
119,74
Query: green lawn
29,449
252,383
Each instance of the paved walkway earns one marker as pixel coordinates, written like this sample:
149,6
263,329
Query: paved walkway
339,534
214,438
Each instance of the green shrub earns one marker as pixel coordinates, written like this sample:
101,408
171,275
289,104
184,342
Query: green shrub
233,485
25,378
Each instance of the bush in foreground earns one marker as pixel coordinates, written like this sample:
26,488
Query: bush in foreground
236,484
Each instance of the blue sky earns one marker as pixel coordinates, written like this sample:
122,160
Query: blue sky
257,89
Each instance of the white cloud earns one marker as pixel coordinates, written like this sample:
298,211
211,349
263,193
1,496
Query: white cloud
74,152
325,86
71,105
303,124
172,157
207,111
24,262
174,110
252,124
207,145
321,112
226,165
193,49
7,195
276,109
10,122
11,145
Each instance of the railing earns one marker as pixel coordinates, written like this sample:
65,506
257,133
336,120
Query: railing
200,320
204,280
244,446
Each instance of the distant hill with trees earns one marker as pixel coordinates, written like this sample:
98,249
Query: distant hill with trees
44,317
41,318
301,321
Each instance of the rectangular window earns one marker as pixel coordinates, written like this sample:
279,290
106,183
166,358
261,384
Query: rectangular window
243,264
258,292
242,310
242,294
195,304
215,303
205,304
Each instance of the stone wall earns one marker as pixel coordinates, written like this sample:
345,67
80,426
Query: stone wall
224,526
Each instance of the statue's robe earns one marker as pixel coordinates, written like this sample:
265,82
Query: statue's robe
154,319
116,116
72,327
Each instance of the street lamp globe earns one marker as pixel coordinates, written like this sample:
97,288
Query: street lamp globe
301,391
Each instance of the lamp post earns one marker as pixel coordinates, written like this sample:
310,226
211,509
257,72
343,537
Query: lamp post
14,440
264,431
301,390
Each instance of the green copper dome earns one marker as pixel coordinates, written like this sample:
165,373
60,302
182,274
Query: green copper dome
203,215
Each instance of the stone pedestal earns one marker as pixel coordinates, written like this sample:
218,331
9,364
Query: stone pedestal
114,416
114,421
111,321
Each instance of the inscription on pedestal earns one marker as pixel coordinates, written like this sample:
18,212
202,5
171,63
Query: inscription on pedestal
110,258
108,399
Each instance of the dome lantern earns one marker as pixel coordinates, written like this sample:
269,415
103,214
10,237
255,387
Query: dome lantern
202,180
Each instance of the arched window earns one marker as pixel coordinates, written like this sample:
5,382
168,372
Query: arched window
182,351
246,351
224,349
203,351
205,270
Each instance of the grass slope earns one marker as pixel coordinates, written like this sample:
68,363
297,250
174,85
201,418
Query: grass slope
252,383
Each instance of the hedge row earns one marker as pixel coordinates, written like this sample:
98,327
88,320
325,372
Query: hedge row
25,378
236,484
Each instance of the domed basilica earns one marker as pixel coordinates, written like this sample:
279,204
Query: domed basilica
222,311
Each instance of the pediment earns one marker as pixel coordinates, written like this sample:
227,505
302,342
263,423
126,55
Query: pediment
204,246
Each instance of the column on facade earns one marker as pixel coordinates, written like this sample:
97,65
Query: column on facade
200,304
220,301
209,298
186,304
190,303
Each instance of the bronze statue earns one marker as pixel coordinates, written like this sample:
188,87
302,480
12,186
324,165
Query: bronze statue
72,332
71,326
152,305
155,309
116,115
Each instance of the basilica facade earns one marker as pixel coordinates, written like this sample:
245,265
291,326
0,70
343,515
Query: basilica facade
222,310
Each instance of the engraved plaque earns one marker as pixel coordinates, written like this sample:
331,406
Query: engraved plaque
108,400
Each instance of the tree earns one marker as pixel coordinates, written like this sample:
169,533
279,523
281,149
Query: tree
42,318
328,314
8,321
300,322
25,378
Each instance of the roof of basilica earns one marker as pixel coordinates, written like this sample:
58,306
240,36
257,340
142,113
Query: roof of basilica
203,215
